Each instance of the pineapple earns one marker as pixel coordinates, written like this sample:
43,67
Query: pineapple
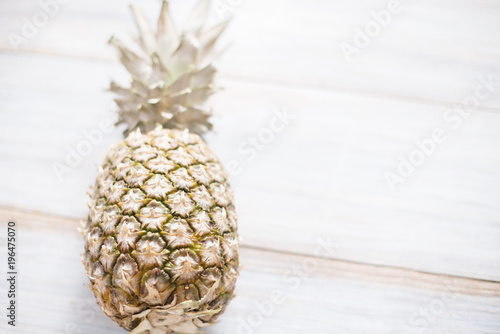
161,244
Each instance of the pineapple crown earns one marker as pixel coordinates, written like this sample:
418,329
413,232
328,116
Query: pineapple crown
171,73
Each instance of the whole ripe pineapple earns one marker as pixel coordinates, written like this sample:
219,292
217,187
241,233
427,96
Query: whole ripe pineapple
161,247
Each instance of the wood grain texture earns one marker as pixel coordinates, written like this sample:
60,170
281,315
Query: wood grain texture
321,296
422,259
314,179
431,50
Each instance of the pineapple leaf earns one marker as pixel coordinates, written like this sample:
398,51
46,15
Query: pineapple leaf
172,73
146,36
198,17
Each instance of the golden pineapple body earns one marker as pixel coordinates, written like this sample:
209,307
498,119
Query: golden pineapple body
161,248
161,239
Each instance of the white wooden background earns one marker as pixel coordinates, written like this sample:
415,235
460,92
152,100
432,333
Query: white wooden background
425,258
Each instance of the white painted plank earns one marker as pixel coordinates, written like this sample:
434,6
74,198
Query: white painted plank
320,296
323,175
433,50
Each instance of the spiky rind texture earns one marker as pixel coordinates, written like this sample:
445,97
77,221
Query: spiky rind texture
161,247
171,73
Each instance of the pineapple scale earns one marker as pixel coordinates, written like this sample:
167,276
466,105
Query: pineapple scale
161,235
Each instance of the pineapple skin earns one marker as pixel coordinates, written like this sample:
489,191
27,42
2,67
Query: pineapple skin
161,243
